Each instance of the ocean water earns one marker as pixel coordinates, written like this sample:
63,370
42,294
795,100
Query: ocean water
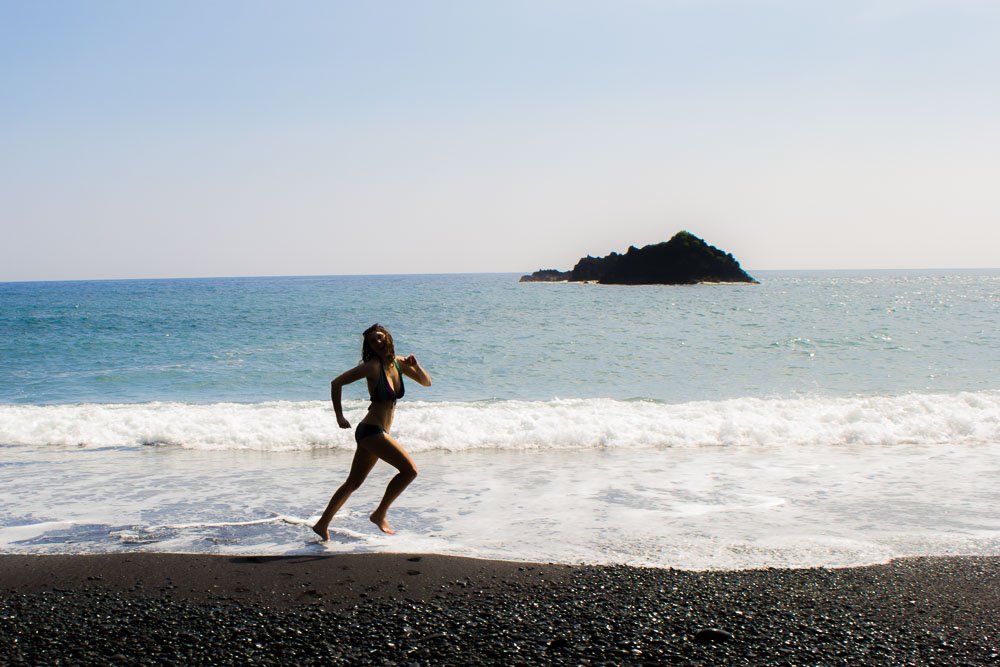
819,418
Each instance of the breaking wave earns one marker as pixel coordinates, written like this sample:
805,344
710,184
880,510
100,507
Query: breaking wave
961,418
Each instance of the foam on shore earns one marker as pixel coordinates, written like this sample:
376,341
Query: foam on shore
685,507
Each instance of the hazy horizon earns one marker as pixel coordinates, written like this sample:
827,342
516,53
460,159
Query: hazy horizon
751,271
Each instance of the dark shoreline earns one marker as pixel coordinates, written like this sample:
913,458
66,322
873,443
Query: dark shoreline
425,609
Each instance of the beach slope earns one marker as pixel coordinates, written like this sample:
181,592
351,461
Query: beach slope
425,609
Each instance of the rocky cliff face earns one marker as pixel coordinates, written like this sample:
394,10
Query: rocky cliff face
684,259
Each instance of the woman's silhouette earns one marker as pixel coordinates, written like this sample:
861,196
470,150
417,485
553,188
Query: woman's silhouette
384,372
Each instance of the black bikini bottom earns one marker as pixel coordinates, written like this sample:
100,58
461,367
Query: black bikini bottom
364,430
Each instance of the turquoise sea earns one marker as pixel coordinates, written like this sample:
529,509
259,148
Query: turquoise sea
816,418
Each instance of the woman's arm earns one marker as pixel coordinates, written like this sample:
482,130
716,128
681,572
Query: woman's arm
347,377
414,370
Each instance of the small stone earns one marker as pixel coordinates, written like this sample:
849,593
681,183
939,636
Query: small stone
559,642
708,635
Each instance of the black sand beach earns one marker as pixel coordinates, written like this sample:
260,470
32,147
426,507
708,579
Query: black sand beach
424,609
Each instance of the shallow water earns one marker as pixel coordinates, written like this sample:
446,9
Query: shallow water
707,507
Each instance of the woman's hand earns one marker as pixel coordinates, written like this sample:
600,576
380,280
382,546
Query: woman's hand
342,421
412,369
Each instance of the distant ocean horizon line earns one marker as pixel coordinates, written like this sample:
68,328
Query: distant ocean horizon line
887,271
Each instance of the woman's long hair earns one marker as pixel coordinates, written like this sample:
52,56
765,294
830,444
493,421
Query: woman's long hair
367,352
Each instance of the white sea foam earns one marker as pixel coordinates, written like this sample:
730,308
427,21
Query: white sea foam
23,532
688,507
916,418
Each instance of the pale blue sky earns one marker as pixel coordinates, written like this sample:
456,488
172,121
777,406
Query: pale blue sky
142,139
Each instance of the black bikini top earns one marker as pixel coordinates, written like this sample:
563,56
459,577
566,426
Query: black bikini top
383,390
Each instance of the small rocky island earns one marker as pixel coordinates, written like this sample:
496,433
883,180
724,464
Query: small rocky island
683,260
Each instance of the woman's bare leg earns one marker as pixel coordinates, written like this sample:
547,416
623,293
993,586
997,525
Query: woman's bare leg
362,464
385,447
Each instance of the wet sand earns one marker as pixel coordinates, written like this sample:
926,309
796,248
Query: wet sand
426,609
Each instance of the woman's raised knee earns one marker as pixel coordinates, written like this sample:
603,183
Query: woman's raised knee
352,484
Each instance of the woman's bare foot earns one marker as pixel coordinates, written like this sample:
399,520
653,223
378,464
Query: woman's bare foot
382,524
323,533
